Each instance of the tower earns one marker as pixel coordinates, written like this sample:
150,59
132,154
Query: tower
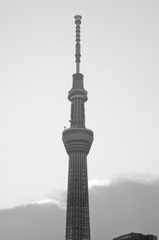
77,140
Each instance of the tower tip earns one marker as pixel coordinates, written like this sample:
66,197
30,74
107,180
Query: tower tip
78,51
78,17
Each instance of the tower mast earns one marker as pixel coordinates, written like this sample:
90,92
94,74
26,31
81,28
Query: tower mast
78,46
77,140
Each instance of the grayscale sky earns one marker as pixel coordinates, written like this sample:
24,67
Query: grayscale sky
120,58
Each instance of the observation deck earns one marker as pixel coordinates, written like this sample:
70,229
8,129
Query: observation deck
77,139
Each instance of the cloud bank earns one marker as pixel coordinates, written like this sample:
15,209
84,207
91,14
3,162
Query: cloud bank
124,206
118,208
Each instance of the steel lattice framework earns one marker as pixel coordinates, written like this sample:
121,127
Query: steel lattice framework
77,140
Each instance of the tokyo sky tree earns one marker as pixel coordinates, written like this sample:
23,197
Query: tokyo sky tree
77,140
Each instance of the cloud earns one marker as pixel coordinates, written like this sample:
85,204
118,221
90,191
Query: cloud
140,178
32,222
56,202
116,208
125,206
95,183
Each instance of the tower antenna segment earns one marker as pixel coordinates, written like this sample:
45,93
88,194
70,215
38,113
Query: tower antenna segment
78,46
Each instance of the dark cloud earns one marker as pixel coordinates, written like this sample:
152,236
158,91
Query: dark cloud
119,208
123,207
32,222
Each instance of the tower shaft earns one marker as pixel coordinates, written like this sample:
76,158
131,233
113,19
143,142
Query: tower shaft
77,221
77,140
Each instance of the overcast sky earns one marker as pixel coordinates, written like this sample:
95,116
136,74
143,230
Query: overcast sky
120,58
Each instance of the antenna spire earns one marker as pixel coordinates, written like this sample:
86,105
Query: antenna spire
78,47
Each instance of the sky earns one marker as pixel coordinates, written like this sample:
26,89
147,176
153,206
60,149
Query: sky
120,57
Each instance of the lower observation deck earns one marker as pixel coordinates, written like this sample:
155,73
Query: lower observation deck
76,138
